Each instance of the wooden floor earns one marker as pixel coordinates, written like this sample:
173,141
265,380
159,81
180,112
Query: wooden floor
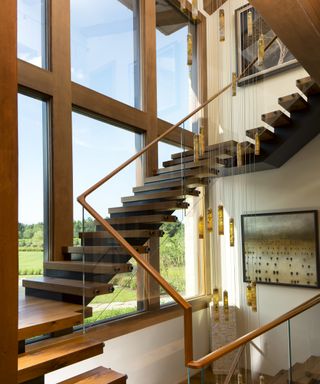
209,377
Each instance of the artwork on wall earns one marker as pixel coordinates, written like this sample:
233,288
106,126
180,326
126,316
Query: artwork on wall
249,28
281,248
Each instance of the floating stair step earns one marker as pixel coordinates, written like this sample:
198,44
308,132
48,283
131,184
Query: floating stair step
184,160
210,153
39,316
264,133
165,206
183,166
128,234
175,194
293,103
221,147
144,219
308,86
276,119
66,286
89,267
39,361
202,172
98,375
189,182
102,250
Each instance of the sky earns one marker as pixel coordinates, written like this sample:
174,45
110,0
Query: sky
102,58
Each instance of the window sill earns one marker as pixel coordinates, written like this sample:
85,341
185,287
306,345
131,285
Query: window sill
128,324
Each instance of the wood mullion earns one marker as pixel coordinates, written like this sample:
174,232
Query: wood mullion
35,78
8,192
149,105
61,199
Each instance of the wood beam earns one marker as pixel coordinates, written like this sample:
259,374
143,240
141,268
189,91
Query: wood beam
297,23
8,192
107,108
61,199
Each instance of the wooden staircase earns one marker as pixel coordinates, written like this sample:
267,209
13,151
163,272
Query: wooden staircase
140,216
138,220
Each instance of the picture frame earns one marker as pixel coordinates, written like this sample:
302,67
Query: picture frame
277,58
281,248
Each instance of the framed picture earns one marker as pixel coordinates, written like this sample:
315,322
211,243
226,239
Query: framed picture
281,248
277,57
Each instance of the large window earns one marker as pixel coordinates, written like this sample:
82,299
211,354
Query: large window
176,81
99,148
32,35
105,47
32,185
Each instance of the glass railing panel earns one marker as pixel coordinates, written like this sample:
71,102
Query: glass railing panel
229,369
305,346
267,357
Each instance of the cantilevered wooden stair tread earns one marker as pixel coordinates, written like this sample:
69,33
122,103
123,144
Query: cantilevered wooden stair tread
67,286
189,182
186,159
225,146
293,103
201,172
170,205
146,219
183,166
174,194
130,233
102,250
308,86
89,267
39,361
276,119
264,133
40,316
99,375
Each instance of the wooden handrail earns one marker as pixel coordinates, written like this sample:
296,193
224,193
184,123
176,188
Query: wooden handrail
241,341
121,240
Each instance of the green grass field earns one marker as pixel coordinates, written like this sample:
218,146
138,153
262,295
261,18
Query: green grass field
30,262
120,294
107,314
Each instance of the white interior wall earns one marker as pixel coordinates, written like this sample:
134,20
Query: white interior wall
294,186
153,355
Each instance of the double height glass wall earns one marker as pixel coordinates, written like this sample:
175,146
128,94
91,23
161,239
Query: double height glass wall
105,47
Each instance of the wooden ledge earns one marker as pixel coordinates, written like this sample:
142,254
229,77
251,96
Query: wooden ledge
98,375
40,360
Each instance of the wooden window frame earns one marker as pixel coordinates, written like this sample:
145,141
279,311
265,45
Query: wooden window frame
55,84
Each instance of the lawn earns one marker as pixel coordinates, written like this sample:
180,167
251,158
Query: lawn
120,294
108,313
30,262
